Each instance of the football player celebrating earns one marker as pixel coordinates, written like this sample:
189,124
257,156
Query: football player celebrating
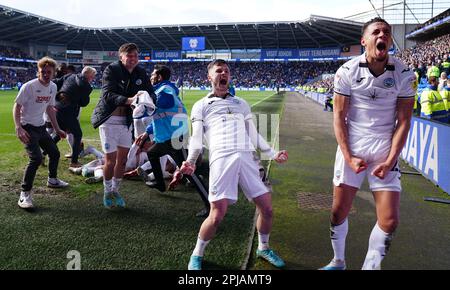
226,122
373,104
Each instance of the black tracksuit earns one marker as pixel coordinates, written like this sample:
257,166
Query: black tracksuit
119,85
77,90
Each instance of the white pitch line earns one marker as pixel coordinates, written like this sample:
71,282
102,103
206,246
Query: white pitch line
255,104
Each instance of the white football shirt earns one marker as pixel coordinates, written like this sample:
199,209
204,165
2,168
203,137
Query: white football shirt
34,98
373,99
223,125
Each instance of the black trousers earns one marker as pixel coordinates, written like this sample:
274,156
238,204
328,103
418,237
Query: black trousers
39,138
71,125
179,155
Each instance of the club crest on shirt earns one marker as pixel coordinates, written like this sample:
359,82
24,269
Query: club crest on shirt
138,82
389,83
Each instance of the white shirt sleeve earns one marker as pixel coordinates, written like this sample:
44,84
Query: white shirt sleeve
196,140
197,112
407,89
342,83
24,94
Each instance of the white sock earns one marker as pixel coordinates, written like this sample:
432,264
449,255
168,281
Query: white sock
107,184
116,184
379,243
338,236
200,248
263,242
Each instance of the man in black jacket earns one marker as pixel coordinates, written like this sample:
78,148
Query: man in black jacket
73,95
122,80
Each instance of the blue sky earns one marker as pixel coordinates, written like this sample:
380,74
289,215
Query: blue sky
115,13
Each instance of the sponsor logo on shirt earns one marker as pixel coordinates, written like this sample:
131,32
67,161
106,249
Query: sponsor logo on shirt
42,99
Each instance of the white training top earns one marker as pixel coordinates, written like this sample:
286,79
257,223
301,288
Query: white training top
373,99
34,98
223,125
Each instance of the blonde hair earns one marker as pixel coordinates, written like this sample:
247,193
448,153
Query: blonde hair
46,61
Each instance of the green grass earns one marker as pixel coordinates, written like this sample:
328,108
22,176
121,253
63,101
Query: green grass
157,231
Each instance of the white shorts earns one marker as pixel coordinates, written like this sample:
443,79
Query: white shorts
373,151
113,136
228,172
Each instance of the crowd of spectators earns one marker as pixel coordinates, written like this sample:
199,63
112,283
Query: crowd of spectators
10,78
253,74
269,75
13,52
327,84
419,58
429,53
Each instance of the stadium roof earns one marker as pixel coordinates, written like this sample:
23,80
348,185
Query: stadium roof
315,32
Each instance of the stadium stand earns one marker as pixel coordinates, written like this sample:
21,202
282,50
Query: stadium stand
430,23
269,75
434,52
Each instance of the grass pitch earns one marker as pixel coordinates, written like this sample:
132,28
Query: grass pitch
156,231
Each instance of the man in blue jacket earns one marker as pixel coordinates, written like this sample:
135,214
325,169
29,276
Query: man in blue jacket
170,131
